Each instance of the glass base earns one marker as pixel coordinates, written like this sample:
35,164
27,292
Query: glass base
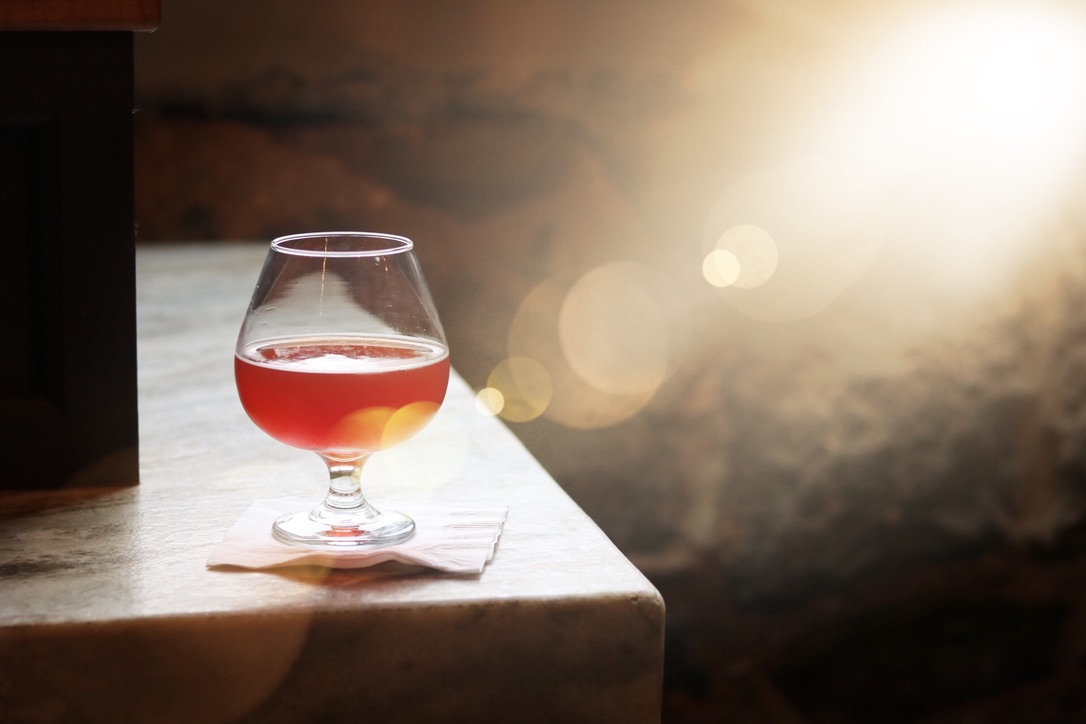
332,528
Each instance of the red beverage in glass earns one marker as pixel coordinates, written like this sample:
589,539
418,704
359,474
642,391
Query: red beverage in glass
343,396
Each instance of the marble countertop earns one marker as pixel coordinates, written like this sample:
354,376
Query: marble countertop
136,555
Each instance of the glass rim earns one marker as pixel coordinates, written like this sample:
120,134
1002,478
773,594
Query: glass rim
392,244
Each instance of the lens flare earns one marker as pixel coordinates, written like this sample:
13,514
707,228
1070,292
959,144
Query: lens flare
428,461
489,401
720,268
534,334
756,252
523,386
802,233
613,332
379,428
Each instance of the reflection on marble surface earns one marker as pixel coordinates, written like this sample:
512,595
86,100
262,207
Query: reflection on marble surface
105,586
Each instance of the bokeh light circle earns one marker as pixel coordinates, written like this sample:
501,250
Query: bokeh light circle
803,233
524,387
754,250
720,268
535,334
613,332
489,401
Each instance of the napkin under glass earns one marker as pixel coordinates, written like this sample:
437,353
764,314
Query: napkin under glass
449,538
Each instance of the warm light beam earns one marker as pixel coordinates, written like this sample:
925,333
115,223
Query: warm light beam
969,120
991,95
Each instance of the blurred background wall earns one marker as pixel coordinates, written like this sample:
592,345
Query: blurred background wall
788,295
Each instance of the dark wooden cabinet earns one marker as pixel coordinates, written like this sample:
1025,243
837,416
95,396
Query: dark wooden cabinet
67,249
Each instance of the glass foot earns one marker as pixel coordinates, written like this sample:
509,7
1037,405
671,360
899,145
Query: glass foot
327,527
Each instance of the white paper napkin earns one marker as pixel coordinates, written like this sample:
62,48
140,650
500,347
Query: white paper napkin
449,538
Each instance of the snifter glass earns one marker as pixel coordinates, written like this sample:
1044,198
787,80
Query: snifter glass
341,353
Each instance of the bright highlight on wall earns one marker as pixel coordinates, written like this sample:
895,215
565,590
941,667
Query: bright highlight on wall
980,89
938,145
961,122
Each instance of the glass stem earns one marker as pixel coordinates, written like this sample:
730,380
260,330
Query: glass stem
345,483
